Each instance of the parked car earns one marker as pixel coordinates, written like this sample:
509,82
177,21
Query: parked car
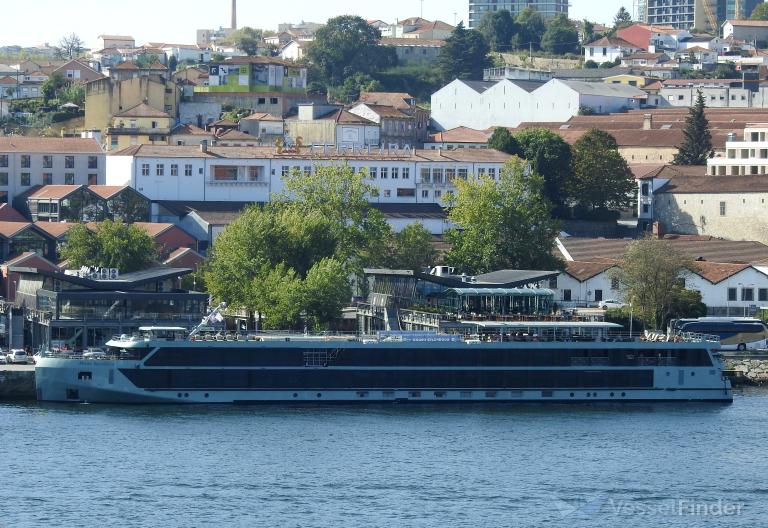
17,355
611,303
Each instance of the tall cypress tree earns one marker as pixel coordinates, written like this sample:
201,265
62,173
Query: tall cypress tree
697,141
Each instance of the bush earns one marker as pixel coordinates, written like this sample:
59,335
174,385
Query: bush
590,65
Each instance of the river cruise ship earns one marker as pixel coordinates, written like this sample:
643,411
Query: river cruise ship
521,361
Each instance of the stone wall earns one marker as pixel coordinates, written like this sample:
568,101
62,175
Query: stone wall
748,371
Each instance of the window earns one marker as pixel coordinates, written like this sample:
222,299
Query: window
644,189
69,162
47,162
481,172
47,178
553,283
406,173
646,208
463,174
160,169
145,169
224,173
492,173
93,179
384,173
731,294
114,142
273,100
450,175
387,193
26,161
3,160
285,171
174,169
614,284
372,173
93,162
25,179
188,170
261,101
425,175
747,294
3,196
69,178
438,193
566,295
722,208
395,173
762,294
437,175
308,170
598,295
425,193
256,173
3,178
406,193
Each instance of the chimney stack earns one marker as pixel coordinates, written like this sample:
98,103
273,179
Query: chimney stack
204,145
647,121
234,14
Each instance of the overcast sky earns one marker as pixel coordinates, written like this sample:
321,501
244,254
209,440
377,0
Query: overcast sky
37,21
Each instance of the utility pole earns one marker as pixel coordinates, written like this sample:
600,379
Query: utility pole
421,14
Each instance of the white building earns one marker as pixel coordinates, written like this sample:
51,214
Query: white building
26,162
481,105
746,157
254,174
748,30
609,49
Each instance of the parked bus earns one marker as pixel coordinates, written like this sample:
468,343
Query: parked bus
736,333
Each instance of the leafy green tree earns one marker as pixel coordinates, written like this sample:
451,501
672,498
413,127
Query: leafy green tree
326,292
348,45
530,29
622,19
587,31
550,156
649,276
601,177
464,55
278,294
561,36
590,65
173,63
697,140
503,141
110,245
349,92
248,40
760,12
686,304
51,87
727,70
502,225
497,28
412,248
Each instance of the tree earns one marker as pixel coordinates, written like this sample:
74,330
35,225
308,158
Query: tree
412,248
51,87
247,40
173,63
686,304
349,92
760,12
502,225
587,31
649,276
561,36
502,140
464,55
497,28
530,29
590,64
348,45
550,156
622,19
697,140
326,292
601,177
110,245
70,46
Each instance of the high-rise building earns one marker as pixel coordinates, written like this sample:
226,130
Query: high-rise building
548,8
704,15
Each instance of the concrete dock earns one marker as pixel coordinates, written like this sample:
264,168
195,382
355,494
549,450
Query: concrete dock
17,382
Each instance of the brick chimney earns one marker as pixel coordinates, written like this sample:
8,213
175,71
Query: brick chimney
647,121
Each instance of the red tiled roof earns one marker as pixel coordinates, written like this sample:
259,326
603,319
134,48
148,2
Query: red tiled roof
582,271
716,272
261,116
394,99
611,41
461,135
183,253
27,255
387,111
702,184
107,191
9,214
53,192
642,172
127,65
10,229
55,229
424,43
235,135
153,229
190,130
748,23
23,144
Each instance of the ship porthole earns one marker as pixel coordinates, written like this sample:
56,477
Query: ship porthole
623,394
611,395
295,395
206,394
186,395
319,395
179,395
571,395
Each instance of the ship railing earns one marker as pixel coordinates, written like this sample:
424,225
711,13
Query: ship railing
683,337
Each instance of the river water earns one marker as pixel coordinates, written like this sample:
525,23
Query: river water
598,466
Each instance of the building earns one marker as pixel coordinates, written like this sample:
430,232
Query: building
746,30
478,8
718,93
746,157
656,38
417,28
139,125
685,14
85,203
26,162
459,138
202,220
481,105
76,311
332,125
266,127
609,49
76,71
116,41
253,174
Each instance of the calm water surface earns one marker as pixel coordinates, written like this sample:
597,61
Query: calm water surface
685,465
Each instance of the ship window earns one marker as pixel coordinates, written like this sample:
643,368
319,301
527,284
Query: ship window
414,394
73,394
84,375
547,394
490,394
362,394
439,394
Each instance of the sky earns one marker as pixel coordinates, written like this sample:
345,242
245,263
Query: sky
175,21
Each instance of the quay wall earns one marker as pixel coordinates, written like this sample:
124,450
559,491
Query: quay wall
747,369
17,382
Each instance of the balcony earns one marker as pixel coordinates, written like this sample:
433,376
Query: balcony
124,131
